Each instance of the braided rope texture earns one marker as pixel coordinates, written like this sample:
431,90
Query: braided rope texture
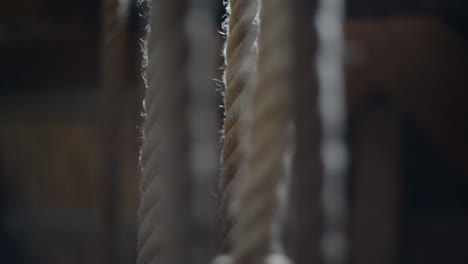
256,232
164,187
240,54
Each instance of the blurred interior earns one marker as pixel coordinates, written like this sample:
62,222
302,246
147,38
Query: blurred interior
407,104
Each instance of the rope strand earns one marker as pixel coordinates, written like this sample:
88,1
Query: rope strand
334,152
203,128
240,55
261,195
164,209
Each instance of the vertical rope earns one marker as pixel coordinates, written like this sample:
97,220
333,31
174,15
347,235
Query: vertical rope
240,58
164,209
203,127
262,193
112,69
334,153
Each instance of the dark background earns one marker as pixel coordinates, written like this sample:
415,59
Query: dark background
407,91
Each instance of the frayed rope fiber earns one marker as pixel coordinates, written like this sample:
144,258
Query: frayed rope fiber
240,56
164,211
258,227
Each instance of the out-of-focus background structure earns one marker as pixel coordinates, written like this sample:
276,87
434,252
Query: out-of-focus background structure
407,85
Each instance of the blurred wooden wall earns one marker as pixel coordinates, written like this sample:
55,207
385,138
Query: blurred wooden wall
52,180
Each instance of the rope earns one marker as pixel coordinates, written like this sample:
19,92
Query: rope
112,69
203,128
334,153
164,209
240,56
263,192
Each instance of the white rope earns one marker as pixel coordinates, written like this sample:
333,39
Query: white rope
329,61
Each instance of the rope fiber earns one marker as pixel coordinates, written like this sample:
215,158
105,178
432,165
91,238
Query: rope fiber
240,57
263,190
164,188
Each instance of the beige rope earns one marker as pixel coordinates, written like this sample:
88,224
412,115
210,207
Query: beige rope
262,194
240,56
164,209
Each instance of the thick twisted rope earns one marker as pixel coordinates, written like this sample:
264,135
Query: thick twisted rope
263,191
240,57
164,208
112,49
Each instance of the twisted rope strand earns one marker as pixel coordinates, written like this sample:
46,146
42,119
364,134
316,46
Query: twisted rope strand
239,50
258,226
164,209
